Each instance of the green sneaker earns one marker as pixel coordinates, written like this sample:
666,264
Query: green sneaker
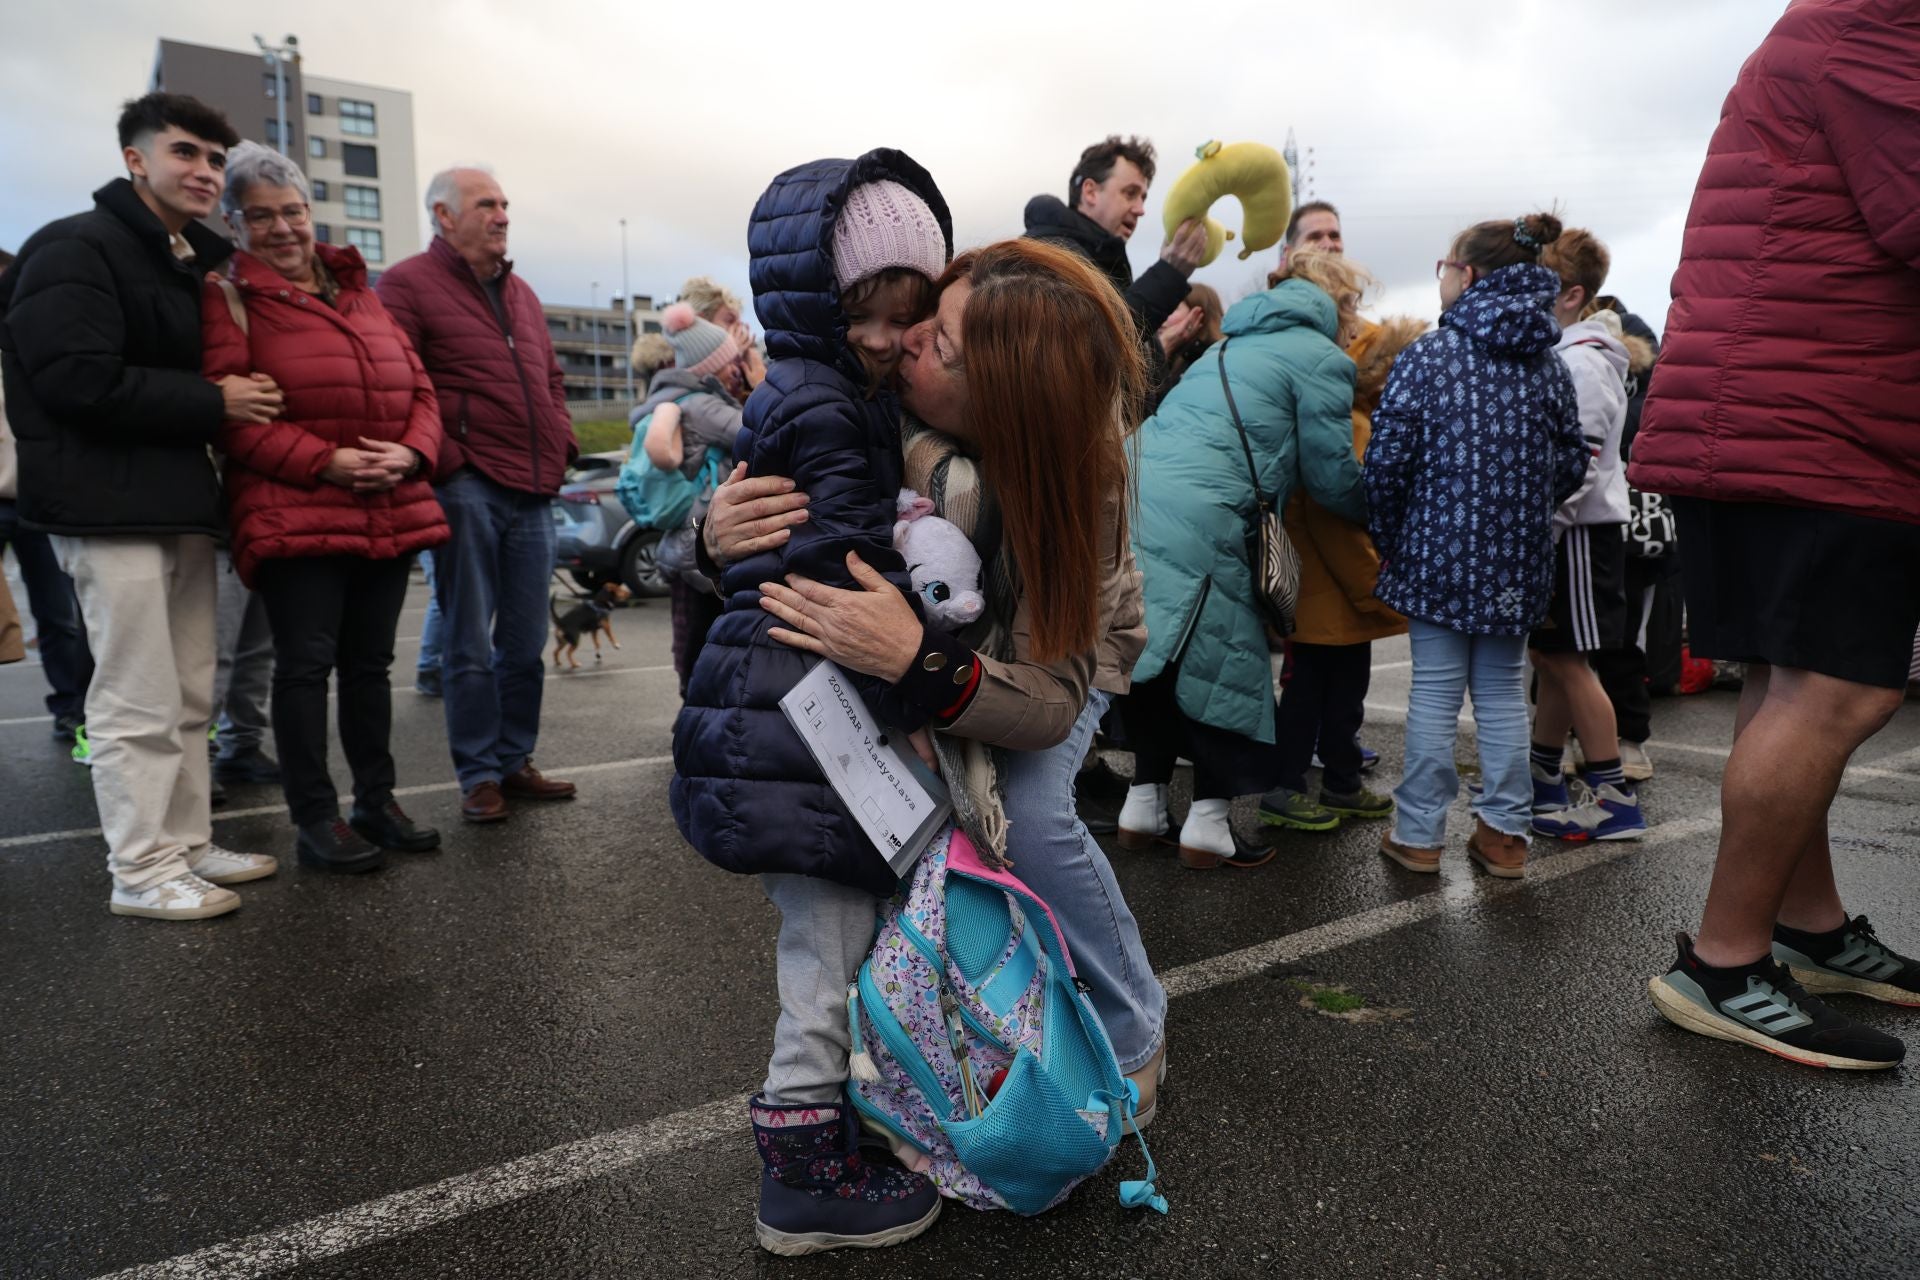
1284,807
82,749
1361,804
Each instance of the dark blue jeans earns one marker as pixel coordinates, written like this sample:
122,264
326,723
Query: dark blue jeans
64,655
491,582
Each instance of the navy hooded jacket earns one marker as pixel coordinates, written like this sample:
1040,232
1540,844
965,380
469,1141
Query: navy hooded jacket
746,792
1475,444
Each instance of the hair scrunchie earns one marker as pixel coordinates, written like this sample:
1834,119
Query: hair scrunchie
1523,237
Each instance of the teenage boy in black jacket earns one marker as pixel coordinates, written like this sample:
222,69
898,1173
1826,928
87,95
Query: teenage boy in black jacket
100,350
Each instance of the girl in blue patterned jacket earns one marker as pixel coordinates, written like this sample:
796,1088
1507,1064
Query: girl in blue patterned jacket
1475,444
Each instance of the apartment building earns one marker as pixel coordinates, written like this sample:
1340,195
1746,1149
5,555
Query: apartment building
354,141
590,338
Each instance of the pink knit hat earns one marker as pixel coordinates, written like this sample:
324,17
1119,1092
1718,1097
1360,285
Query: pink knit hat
882,225
700,347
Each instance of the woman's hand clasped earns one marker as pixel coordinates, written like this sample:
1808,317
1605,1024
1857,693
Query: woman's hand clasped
872,630
375,467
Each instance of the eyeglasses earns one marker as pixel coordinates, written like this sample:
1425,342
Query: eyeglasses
296,215
1440,267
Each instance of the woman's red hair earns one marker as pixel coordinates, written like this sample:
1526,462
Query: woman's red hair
1055,381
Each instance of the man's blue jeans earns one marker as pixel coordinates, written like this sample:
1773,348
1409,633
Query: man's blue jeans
491,581
428,664
1056,858
65,659
1445,665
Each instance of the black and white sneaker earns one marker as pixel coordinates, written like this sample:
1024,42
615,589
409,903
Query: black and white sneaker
1760,1004
1849,960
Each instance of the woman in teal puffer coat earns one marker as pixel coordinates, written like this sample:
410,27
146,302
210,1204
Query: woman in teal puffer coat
1204,686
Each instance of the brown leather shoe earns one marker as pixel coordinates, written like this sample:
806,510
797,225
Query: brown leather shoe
528,783
1426,861
483,803
1498,853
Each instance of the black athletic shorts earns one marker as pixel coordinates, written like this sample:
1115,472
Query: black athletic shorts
1589,610
1812,590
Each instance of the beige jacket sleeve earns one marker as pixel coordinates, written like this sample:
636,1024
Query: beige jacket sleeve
1028,706
1024,705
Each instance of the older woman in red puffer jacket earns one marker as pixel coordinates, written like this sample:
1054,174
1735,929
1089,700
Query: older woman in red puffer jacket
328,502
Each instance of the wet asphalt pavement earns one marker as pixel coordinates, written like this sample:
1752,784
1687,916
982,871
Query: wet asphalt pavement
527,1054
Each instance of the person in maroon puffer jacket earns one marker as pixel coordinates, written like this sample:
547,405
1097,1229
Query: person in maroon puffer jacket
329,502
482,335
1782,421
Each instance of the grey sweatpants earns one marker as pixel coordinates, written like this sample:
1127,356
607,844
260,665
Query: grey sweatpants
826,931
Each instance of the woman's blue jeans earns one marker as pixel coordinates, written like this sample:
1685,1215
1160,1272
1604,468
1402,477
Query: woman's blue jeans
1446,664
1055,856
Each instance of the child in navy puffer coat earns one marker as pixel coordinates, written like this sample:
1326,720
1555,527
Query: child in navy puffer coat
1475,444
844,258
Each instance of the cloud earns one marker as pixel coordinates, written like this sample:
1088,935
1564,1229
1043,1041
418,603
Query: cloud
1421,117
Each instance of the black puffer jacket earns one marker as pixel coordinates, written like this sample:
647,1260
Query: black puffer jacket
100,345
1151,298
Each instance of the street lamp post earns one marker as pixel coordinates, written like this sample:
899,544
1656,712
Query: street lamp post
277,56
626,307
593,306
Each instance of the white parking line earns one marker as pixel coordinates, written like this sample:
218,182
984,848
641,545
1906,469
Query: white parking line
406,1212
261,811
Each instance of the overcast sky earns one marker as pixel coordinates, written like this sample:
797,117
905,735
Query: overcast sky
1422,115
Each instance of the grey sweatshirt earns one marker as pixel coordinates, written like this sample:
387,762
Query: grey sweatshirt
708,417
1597,359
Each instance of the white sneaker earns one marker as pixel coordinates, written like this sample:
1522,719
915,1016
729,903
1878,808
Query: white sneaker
185,897
223,866
1634,761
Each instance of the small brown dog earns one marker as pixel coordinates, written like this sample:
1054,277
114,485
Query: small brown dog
591,617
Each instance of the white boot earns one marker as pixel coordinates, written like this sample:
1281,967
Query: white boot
1143,819
1207,839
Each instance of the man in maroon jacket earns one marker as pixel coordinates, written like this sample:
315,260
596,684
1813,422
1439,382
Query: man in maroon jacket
1784,424
481,333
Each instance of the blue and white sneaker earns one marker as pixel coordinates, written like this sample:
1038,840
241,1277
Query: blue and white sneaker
1550,793
1369,758
1610,814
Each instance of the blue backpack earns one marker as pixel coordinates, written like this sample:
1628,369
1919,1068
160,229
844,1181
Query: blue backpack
976,1050
659,499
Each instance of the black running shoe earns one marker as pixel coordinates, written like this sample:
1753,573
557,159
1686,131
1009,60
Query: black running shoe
1849,960
1760,1004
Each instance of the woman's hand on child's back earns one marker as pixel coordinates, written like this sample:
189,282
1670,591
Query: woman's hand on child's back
872,630
748,516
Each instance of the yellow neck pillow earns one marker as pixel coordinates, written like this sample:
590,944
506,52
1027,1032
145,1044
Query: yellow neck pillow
1252,171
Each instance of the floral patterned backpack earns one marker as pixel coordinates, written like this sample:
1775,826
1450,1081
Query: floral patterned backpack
976,1049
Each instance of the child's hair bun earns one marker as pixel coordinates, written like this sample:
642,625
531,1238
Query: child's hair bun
680,316
1536,230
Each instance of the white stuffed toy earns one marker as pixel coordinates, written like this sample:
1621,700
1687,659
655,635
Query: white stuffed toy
941,562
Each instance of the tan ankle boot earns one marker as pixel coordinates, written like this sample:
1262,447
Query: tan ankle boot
1426,861
1498,853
